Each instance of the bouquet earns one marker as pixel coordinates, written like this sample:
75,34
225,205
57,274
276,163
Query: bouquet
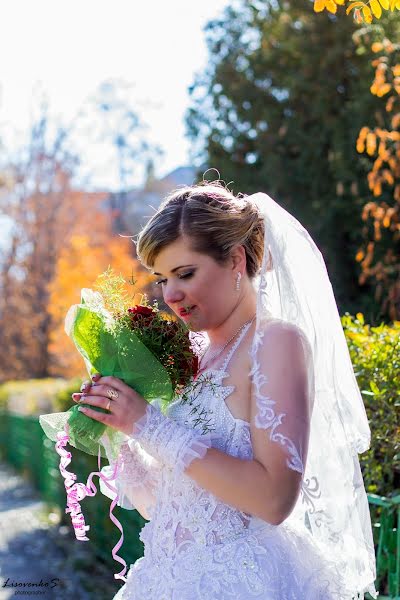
136,343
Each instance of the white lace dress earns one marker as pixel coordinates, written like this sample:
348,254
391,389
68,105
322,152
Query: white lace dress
199,548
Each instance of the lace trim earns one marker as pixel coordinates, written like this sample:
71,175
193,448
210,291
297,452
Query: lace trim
170,442
266,417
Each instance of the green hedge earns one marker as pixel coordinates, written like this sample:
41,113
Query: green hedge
38,396
375,354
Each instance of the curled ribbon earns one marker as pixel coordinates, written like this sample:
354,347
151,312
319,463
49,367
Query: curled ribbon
78,491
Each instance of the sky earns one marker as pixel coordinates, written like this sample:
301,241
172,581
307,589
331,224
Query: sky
66,49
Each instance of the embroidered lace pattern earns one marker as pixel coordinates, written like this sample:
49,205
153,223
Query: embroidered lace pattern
199,548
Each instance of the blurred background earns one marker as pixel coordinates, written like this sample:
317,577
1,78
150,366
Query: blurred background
107,107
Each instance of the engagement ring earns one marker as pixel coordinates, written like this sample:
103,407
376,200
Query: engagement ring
112,394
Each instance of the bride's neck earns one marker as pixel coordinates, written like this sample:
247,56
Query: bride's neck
243,311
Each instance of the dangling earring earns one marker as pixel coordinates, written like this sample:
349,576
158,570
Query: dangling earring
238,278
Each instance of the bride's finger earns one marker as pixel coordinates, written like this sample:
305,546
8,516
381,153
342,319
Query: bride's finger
105,418
112,382
98,389
100,401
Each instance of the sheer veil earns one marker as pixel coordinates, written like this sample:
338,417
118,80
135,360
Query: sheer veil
293,285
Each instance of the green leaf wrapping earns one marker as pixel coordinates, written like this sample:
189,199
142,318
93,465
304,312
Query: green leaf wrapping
109,349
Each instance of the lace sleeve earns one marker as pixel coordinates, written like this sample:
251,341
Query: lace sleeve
137,478
170,442
282,394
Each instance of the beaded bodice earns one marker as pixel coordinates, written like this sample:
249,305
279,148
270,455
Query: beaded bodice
186,514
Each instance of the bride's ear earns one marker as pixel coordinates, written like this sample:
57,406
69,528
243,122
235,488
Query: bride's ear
238,258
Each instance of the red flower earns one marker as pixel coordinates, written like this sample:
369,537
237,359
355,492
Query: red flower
141,315
141,310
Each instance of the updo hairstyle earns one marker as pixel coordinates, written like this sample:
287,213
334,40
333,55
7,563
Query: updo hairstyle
212,218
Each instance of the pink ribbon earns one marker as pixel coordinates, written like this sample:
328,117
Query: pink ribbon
78,491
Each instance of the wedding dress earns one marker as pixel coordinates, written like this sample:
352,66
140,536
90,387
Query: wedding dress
197,547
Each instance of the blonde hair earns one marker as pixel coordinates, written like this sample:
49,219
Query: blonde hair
212,218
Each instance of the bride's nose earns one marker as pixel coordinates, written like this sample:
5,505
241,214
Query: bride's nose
172,293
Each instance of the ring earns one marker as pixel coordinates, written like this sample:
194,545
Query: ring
108,405
112,394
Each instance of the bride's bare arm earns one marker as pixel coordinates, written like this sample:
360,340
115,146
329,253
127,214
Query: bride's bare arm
247,485
267,486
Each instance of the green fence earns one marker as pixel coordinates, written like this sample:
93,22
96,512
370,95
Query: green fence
385,514
24,445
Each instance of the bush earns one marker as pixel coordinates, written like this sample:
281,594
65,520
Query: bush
62,399
38,396
375,354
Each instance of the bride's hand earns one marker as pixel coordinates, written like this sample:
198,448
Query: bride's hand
125,406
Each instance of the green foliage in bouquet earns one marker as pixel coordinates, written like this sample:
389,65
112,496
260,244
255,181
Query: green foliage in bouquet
375,354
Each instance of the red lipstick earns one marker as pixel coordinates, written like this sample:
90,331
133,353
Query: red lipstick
185,312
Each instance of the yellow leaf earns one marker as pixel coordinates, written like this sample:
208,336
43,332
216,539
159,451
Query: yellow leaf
319,5
395,122
354,5
331,6
384,89
371,143
376,8
359,256
339,2
367,14
385,4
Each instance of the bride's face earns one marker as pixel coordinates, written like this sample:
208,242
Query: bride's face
199,290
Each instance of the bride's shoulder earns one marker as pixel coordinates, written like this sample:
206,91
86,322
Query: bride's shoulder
276,330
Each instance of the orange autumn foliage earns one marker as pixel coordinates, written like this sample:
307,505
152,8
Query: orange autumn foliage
78,266
380,264
363,11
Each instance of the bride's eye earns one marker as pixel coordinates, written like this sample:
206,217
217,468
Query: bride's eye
182,276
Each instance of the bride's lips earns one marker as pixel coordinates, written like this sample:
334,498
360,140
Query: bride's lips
185,313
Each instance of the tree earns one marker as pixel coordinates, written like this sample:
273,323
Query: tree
41,213
78,266
44,211
278,109
379,256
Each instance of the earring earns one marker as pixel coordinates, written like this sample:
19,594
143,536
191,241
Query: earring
238,278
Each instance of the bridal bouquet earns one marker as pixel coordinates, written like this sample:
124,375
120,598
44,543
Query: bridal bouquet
136,343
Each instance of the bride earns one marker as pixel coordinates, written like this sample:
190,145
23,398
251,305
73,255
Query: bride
251,485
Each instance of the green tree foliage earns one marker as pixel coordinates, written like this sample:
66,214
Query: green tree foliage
279,108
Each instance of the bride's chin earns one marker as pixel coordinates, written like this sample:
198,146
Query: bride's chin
193,326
